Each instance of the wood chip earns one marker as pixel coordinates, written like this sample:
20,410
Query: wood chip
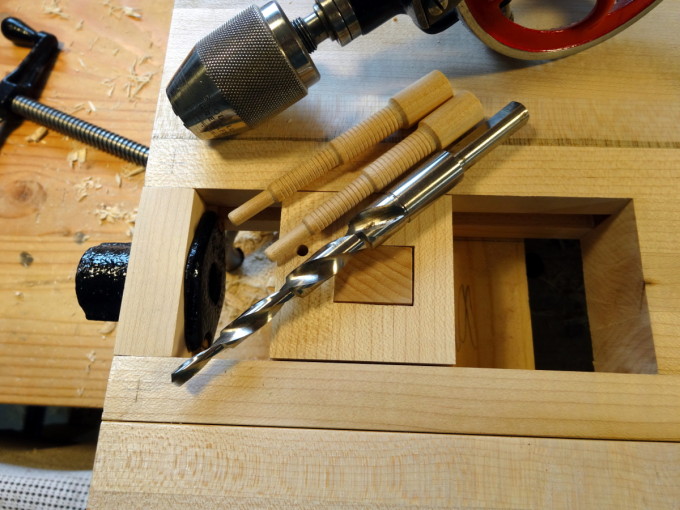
72,158
52,8
79,25
85,185
37,135
119,180
136,82
91,107
131,171
114,213
131,12
108,328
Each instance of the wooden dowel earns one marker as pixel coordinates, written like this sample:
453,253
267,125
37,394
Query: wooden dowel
437,130
402,111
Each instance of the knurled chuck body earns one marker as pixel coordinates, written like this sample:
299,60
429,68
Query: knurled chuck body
247,70
258,63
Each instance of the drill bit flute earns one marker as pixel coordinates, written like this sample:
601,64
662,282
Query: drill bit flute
368,229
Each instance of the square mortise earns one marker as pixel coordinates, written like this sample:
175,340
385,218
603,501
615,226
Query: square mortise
383,276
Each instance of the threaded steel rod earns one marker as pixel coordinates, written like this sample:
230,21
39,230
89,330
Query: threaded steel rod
82,131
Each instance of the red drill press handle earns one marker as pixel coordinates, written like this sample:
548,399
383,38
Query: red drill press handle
488,20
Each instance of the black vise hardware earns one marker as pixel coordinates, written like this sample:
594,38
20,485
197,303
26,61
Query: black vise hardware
102,270
30,76
21,86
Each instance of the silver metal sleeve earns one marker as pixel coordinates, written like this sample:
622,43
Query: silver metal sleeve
436,177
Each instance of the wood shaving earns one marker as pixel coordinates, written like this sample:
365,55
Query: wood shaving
111,84
81,62
77,108
132,12
131,171
122,10
119,180
253,280
92,356
79,25
37,135
115,213
52,8
77,156
91,107
108,328
84,186
136,82
18,294
80,391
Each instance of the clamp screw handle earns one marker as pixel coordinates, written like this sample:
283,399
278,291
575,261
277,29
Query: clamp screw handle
19,32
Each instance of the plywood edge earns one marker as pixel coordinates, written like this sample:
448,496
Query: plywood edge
398,398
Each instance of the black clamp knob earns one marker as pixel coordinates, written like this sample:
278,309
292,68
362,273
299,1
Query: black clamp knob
101,274
29,77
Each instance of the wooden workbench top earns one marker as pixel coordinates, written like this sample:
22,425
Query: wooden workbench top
603,140
52,209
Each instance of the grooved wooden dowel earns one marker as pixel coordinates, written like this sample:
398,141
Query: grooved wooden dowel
437,130
402,111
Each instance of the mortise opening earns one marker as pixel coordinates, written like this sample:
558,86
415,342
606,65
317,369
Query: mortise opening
551,291
557,304
494,263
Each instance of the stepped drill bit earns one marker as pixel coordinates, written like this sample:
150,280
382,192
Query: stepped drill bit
368,229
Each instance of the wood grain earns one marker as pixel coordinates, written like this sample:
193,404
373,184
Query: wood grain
168,466
617,305
49,353
383,275
45,341
493,319
152,312
398,398
522,226
316,328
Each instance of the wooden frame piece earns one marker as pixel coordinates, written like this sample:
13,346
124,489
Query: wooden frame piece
318,328
398,398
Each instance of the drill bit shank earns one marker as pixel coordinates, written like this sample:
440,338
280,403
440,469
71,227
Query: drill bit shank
369,229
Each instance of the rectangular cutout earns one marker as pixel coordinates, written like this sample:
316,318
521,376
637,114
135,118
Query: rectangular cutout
492,327
382,276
